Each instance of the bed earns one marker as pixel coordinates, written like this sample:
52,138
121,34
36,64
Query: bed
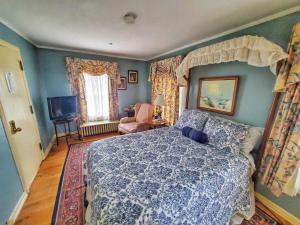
160,177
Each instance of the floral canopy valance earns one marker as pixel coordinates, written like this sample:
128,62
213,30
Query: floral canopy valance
256,51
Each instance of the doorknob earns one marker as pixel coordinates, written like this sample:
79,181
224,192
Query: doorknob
13,127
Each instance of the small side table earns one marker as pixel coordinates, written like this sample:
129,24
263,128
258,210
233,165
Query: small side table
67,122
157,124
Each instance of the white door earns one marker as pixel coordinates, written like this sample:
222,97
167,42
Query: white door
16,114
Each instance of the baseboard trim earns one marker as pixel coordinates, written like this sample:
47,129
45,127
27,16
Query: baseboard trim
277,209
49,147
16,211
53,141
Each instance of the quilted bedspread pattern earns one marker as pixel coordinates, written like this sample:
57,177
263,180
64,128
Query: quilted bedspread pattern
160,177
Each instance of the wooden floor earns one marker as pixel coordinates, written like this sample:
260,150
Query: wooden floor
39,205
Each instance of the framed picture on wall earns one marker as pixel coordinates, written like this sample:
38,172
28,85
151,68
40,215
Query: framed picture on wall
123,83
133,76
218,94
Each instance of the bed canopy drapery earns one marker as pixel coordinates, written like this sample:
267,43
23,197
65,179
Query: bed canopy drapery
279,165
256,51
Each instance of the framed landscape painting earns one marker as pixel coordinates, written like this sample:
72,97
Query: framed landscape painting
218,94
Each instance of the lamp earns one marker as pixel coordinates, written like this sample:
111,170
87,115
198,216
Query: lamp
159,101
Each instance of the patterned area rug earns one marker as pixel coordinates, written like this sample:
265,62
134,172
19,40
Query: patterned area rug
70,201
262,216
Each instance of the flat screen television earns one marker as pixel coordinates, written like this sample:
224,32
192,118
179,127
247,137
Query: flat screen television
63,107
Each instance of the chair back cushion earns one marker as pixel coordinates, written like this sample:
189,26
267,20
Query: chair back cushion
144,113
137,108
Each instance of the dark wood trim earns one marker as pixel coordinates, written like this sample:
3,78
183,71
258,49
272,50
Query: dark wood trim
234,97
267,131
268,127
188,90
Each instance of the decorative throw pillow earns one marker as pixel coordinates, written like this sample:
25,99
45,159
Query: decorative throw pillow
192,118
253,138
196,135
225,135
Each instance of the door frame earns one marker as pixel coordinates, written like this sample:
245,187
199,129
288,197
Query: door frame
5,122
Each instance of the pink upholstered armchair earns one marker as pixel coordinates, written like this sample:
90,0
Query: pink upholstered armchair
140,121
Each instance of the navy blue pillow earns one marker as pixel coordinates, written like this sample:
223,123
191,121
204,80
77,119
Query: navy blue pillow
195,135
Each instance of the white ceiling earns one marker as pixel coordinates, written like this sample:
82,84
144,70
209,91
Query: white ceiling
161,26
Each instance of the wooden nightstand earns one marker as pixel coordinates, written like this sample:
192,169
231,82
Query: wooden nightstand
157,124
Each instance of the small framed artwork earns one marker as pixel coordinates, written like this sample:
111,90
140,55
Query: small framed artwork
133,76
123,83
218,94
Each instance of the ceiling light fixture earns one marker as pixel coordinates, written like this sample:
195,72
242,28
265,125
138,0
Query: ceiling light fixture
130,17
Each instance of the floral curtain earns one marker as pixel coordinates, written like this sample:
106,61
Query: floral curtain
75,69
281,159
164,81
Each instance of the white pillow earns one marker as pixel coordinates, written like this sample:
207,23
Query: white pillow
251,161
252,139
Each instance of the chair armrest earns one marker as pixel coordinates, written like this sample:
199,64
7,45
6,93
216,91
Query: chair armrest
127,119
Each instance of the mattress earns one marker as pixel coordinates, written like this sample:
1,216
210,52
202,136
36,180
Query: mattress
160,177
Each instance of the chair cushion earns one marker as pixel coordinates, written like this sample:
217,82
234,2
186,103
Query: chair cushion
128,127
128,120
133,127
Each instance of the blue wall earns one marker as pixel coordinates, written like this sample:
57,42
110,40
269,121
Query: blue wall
255,89
10,184
54,75
11,187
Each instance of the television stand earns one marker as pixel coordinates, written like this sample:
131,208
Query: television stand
67,122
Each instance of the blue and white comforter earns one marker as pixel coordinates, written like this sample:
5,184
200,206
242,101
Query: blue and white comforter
160,177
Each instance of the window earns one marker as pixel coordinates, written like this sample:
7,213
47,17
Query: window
96,92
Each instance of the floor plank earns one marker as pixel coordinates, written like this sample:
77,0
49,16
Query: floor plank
39,205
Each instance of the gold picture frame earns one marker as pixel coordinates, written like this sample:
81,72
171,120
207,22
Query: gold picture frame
218,94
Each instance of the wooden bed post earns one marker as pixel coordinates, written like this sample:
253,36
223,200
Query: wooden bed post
268,127
188,90
267,132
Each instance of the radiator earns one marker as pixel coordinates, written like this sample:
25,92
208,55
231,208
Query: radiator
99,127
